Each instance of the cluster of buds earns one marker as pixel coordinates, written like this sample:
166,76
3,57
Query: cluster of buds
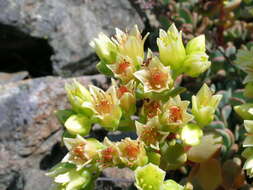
191,60
244,60
165,126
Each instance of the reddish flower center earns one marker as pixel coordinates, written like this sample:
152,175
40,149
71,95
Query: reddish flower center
104,106
158,79
122,67
108,153
175,114
131,151
122,90
152,108
78,153
149,135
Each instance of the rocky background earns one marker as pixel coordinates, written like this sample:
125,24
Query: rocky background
43,45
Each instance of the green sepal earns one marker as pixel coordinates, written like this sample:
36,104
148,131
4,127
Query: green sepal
102,68
78,124
153,157
60,168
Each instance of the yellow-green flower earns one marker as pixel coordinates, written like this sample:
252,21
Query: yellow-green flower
245,111
68,178
174,114
196,44
248,142
123,68
132,153
78,95
105,48
196,63
191,134
109,157
126,95
81,151
171,47
130,44
78,124
204,105
150,109
154,76
149,133
248,165
106,106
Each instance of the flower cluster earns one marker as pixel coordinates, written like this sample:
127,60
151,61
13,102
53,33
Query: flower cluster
245,61
165,125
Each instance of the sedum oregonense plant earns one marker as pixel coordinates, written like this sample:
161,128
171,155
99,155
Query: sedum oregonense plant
244,59
170,134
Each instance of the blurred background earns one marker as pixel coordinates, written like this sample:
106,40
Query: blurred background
45,43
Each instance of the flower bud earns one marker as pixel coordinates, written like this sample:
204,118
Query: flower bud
171,47
248,142
132,153
191,134
78,124
245,111
73,179
126,95
172,185
154,76
196,44
248,91
174,114
196,63
78,95
204,105
105,48
248,165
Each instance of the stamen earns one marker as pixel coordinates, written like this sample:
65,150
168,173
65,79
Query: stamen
132,151
157,78
122,67
175,114
107,154
149,135
77,153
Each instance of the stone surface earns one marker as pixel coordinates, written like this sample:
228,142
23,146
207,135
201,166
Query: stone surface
29,132
12,77
69,25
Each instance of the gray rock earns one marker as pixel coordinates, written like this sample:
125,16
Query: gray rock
69,25
29,131
12,77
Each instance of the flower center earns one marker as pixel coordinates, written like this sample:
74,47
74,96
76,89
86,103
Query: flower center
104,107
175,114
107,154
153,108
158,79
149,135
122,67
77,154
131,151
122,90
